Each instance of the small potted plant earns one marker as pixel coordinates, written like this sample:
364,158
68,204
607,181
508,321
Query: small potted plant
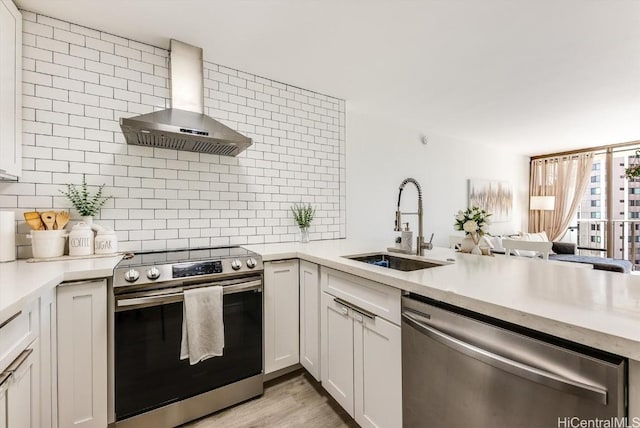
86,204
633,171
303,214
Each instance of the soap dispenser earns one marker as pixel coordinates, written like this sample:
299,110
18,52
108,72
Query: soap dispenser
407,238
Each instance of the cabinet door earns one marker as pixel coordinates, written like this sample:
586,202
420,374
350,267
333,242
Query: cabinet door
82,354
10,90
48,360
281,315
3,406
23,405
337,352
378,373
310,318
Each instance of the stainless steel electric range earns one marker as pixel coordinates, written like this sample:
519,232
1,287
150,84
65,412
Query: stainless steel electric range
150,385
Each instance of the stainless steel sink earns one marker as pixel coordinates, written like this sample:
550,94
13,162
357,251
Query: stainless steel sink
393,262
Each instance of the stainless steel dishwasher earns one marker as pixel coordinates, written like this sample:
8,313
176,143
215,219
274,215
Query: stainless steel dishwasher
461,369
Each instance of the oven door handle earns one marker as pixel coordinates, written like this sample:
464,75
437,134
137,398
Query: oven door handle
164,299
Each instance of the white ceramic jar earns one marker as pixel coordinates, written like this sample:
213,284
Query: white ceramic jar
106,242
81,240
47,243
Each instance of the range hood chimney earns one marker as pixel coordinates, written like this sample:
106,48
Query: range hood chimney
184,126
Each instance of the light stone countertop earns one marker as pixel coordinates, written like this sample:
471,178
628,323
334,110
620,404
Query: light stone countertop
21,281
596,308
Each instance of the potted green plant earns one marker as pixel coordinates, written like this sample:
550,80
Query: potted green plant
633,171
303,214
84,202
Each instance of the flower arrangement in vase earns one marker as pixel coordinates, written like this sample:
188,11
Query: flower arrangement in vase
86,204
303,214
474,223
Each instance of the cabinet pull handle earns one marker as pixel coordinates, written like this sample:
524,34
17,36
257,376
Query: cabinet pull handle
277,262
86,281
353,307
15,365
4,377
11,318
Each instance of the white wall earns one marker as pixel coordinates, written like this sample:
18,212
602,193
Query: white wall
381,153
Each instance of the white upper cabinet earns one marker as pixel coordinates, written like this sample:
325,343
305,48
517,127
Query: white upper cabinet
10,90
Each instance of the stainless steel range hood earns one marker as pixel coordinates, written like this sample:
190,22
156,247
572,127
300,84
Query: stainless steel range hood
184,126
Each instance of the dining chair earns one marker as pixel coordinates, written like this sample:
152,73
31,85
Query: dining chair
520,247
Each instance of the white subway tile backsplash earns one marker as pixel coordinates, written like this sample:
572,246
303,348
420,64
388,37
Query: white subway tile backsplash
99,45
68,60
52,69
143,67
82,98
78,82
31,27
108,58
50,44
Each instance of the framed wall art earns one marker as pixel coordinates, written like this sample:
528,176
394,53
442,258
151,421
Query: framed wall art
494,196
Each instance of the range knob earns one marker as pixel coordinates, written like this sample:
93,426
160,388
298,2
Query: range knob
251,263
153,273
236,264
131,275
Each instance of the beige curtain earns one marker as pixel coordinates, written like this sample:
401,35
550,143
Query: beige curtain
566,178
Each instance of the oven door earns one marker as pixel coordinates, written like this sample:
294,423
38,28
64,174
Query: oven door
148,332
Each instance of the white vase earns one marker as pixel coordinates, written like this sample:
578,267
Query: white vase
88,219
476,250
467,244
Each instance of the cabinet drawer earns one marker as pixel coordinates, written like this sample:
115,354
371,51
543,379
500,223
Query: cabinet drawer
376,298
17,333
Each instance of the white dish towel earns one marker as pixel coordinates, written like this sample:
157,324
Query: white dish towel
202,324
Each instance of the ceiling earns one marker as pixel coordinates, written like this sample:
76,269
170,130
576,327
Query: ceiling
534,76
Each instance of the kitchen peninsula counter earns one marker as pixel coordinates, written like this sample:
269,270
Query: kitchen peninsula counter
596,308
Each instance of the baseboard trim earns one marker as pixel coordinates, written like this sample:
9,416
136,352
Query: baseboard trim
282,372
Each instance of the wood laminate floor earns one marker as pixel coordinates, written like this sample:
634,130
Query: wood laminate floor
292,401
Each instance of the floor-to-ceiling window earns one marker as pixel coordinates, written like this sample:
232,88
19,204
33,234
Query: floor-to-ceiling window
607,223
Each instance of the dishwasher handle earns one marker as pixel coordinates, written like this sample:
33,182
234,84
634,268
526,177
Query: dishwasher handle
592,392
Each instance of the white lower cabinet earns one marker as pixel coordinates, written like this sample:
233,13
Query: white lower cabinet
281,315
82,354
377,373
3,407
48,360
337,352
361,362
310,317
22,393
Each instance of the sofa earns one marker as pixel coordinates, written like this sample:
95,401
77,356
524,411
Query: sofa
565,252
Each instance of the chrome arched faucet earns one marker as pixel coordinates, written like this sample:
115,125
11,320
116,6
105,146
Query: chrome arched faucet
420,244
